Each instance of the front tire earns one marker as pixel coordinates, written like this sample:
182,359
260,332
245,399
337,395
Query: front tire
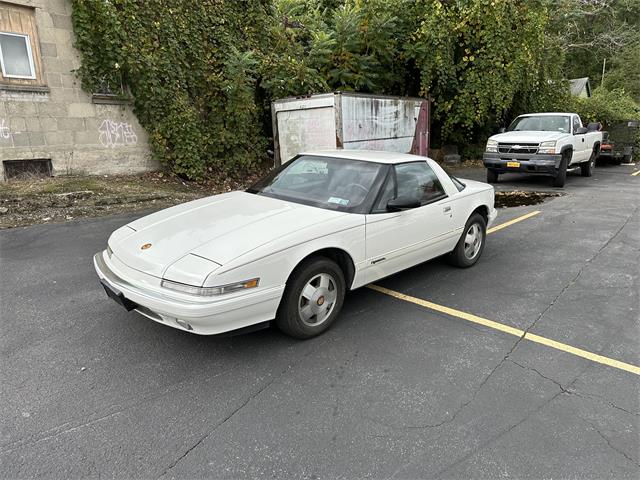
471,244
492,176
561,175
312,299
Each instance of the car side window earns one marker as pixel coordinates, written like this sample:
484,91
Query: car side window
418,181
576,124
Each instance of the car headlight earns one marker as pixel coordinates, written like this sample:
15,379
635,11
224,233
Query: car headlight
210,291
492,146
547,147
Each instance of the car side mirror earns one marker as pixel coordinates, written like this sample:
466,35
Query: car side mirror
502,130
581,131
402,203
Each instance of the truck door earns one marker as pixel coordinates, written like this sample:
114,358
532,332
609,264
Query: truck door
579,142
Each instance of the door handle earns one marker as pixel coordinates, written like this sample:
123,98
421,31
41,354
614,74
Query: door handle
446,210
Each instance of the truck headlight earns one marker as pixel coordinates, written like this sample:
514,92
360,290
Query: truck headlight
210,291
492,146
547,147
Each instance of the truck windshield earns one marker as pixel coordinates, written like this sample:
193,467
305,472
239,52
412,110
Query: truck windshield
542,123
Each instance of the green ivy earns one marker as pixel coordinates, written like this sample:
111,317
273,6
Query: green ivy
192,70
203,73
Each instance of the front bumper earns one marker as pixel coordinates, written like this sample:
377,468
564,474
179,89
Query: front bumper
203,316
528,163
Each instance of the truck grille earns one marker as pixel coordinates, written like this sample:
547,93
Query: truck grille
518,147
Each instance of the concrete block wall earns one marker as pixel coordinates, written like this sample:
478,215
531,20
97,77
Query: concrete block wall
60,122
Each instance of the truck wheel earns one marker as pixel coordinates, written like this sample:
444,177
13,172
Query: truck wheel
492,176
586,168
561,175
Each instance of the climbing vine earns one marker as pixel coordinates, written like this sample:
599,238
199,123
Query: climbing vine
191,68
202,73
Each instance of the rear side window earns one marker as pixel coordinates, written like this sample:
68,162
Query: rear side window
576,124
417,180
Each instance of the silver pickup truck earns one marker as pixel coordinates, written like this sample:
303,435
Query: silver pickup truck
543,144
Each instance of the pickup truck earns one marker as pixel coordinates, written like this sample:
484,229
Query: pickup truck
543,144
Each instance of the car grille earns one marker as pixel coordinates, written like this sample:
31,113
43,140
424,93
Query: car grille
518,147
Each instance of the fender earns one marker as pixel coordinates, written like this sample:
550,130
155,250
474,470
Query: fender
564,150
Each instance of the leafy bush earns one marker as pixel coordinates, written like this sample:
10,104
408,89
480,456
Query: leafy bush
191,68
606,106
473,58
203,72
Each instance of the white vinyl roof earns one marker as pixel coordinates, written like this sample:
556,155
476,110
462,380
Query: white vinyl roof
367,155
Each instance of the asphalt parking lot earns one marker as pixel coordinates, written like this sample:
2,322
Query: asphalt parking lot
396,389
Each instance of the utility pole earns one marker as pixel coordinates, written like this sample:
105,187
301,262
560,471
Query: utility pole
604,65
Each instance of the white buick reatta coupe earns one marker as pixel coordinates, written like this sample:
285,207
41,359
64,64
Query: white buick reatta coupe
288,248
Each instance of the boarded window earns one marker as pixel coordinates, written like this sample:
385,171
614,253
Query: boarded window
27,169
19,46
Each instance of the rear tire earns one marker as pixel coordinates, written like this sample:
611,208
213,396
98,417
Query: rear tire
471,244
492,176
586,168
561,175
312,299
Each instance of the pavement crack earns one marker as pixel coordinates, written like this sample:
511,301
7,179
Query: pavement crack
224,420
611,446
240,408
69,427
558,384
497,436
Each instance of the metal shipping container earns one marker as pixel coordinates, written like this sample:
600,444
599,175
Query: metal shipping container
352,121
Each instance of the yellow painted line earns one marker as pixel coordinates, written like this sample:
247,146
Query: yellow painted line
511,222
594,357
637,172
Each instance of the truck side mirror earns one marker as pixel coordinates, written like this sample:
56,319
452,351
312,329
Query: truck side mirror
581,131
502,130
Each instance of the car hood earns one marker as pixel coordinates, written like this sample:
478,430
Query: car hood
528,136
208,233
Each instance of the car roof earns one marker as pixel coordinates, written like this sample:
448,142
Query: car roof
376,156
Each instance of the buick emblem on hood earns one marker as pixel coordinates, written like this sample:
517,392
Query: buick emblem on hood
145,246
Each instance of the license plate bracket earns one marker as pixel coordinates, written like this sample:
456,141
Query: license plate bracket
513,164
118,297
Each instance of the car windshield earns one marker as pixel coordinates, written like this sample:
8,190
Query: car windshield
326,182
542,123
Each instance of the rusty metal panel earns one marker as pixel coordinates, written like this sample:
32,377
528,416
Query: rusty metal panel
305,124
349,121
379,123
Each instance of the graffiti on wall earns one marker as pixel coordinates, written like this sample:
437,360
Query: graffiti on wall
5,131
116,134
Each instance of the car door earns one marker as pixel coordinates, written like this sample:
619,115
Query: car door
579,143
401,239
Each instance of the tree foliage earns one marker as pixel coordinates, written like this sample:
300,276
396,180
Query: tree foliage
202,73
191,68
475,56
